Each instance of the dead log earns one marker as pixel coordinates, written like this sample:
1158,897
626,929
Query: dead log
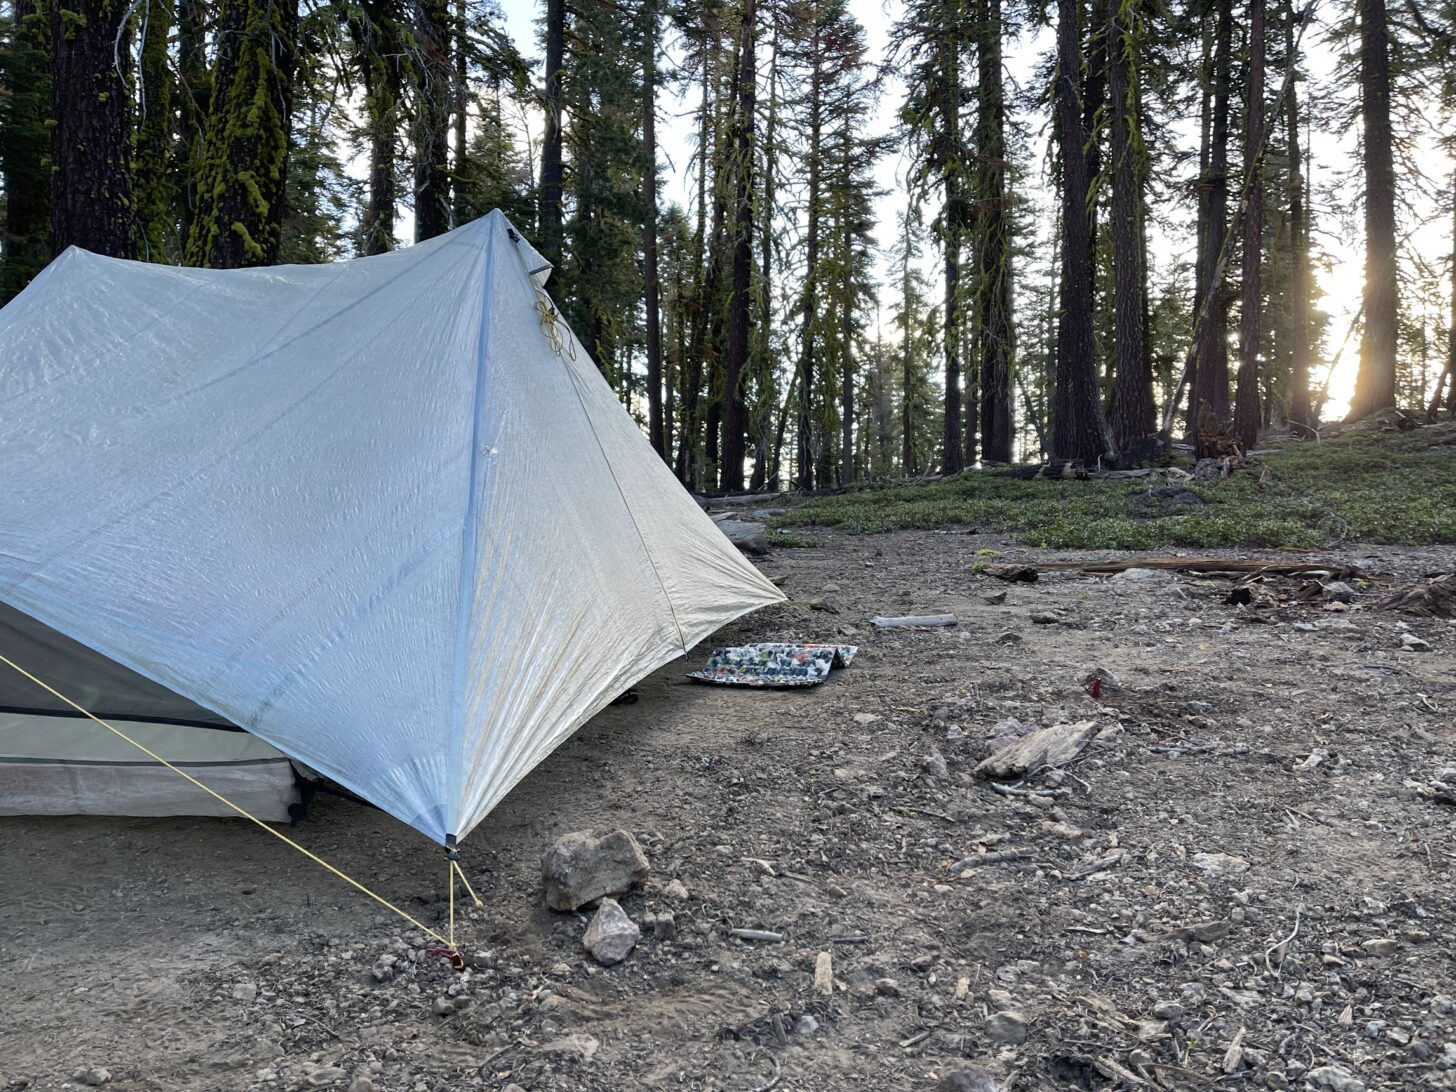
1434,599
1054,746
1208,565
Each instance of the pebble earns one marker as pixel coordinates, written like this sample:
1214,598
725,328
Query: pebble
665,927
934,765
611,934
1220,864
806,1026
676,890
1168,1010
824,974
968,1080
92,1077
326,1075
1335,1079
1381,946
1409,642
1008,1028
443,1006
245,992
361,1084
887,987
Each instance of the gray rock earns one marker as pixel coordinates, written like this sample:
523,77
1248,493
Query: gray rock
968,1080
1045,617
748,536
383,969
665,927
1409,642
1335,1079
581,868
1143,576
329,1074
1220,865
934,765
1381,946
361,1084
92,1076
1008,1028
806,1026
676,890
442,1006
611,934
1168,1010
1339,591
245,992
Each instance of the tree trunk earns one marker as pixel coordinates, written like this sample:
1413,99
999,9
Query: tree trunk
1247,412
652,328
1375,382
730,473
995,328
1210,381
1134,417
151,161
1300,415
91,200
462,98
952,458
551,210
1078,430
810,305
436,78
25,169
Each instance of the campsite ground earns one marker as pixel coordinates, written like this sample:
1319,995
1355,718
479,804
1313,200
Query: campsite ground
1256,778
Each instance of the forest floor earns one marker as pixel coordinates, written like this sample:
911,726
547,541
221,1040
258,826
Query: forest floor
1243,882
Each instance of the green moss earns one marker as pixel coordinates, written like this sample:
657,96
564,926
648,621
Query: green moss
788,541
1369,487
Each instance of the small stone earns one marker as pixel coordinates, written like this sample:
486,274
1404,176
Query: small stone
887,987
1220,865
1009,1028
581,868
1045,617
995,599
665,927
611,934
442,1006
1338,591
1010,637
361,1084
1143,576
934,765
1335,1079
92,1076
1380,946
968,1080
245,992
806,1026
328,1074
676,890
1276,1080
1409,642
866,719
1168,1010
824,974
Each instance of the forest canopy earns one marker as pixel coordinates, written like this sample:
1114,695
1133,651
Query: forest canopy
1104,233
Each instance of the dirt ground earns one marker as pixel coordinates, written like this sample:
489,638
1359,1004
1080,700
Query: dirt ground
1135,943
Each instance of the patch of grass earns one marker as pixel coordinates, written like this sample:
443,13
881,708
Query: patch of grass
788,541
1372,487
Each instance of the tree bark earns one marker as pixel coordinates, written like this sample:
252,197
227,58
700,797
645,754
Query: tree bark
151,167
1133,415
91,199
953,219
1300,414
994,328
551,171
731,457
652,327
1375,381
25,157
1078,429
435,74
1247,412
810,304
1210,380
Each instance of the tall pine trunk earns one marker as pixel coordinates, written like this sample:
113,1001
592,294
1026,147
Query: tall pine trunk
1078,430
952,223
194,86
652,329
25,150
810,301
91,199
1375,382
551,170
1247,412
1210,385
1133,414
1300,415
152,176
435,76
740,151
995,329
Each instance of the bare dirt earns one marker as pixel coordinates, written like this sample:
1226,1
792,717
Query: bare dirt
1258,777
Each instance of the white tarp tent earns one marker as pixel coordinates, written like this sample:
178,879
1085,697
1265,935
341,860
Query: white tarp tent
365,511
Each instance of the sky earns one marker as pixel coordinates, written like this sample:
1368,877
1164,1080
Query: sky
1333,157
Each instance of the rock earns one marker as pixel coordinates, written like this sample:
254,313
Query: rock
806,1026
1168,1010
1409,642
1045,617
934,765
1054,746
361,1084
442,1006
1338,591
824,974
1143,576
581,868
1220,865
995,599
1335,1079
676,891
328,1074
865,719
611,934
245,992
1010,637
92,1076
581,1047
968,1080
1381,946
665,927
887,987
748,536
1105,679
383,969
1008,1028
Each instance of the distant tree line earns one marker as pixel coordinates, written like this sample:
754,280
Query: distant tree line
768,331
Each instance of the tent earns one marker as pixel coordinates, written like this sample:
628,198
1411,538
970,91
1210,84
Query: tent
384,516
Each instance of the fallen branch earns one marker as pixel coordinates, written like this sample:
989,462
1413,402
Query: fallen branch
913,621
1203,565
1000,856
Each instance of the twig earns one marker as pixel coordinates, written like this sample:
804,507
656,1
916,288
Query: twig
1281,944
1000,856
778,1072
1017,791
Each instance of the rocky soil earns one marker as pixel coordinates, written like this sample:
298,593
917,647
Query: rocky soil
1243,880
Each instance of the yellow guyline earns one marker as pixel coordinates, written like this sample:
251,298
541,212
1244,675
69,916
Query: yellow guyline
454,865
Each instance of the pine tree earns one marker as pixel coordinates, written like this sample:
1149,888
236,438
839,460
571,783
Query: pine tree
25,108
1247,413
152,176
995,328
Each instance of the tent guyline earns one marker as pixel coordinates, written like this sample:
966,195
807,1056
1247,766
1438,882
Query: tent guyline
453,855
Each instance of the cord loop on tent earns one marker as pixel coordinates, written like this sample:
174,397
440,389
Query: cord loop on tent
556,336
380,899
